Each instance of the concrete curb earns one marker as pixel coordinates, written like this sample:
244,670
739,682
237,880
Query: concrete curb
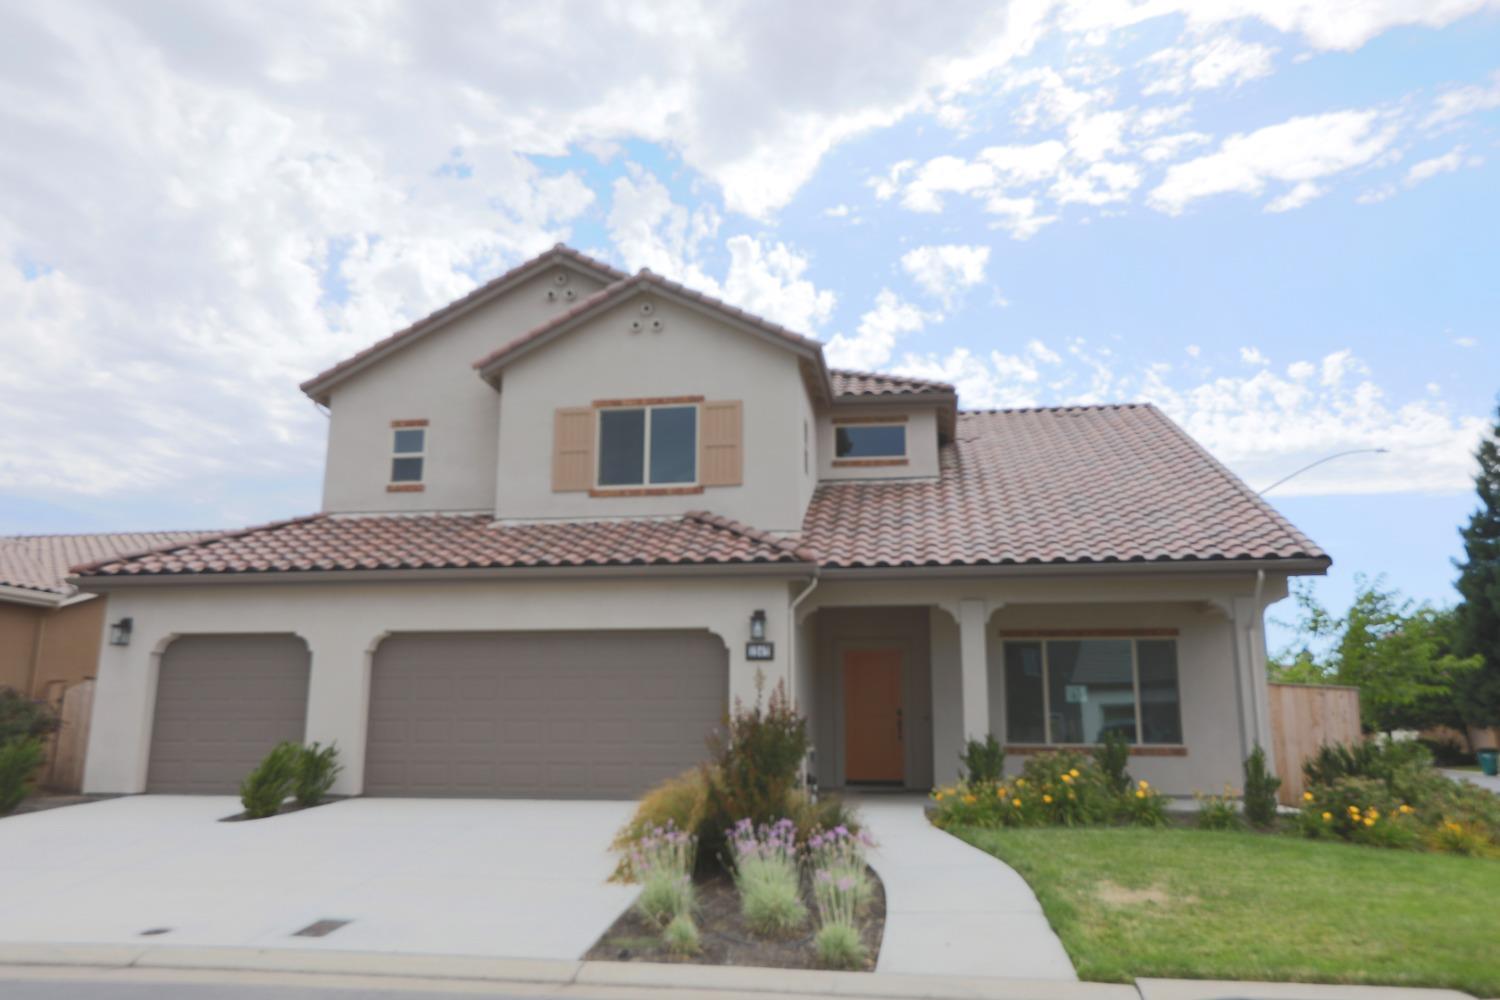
644,976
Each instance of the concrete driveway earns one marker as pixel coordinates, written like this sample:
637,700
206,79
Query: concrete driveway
519,879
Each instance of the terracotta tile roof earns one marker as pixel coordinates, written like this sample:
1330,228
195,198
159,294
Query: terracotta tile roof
323,380
41,562
852,383
458,541
602,298
1066,485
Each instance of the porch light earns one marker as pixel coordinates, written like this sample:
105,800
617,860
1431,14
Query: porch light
119,632
758,627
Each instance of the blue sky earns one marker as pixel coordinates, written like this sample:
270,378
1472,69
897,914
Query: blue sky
1279,224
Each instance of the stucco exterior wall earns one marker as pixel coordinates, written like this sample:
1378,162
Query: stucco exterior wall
343,624
433,379
693,355
921,444
44,650
18,635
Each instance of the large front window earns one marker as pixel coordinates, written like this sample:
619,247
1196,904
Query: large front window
648,445
1079,690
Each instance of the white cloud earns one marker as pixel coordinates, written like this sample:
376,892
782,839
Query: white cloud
1300,150
1213,62
1460,102
1466,341
874,343
1430,168
1252,356
1300,194
944,271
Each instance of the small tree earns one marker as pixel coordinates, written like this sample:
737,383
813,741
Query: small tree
1260,789
1479,586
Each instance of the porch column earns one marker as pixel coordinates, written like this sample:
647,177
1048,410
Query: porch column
974,670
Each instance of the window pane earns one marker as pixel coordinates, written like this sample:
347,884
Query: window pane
1090,689
409,441
1024,711
1161,716
622,447
406,470
674,444
870,442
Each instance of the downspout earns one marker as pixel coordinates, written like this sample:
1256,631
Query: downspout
791,663
1256,635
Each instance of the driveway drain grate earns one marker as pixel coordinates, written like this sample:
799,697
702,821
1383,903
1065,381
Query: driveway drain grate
320,928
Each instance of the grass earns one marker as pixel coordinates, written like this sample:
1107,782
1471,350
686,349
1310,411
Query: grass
1195,904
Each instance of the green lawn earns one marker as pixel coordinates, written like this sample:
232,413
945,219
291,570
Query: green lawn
1200,905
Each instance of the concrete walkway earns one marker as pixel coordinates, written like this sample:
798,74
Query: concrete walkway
951,909
1475,778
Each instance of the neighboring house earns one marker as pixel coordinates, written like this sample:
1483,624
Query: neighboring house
49,630
572,516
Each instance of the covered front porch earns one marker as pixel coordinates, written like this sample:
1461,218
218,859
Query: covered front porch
894,675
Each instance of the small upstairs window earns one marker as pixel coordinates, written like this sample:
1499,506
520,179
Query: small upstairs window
870,441
408,454
648,446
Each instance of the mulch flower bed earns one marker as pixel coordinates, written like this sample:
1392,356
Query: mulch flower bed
290,807
725,938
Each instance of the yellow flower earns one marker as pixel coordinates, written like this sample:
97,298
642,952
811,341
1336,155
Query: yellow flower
1369,821
1140,793
1016,803
1328,817
1374,814
1000,792
1020,781
1143,783
1405,808
1354,810
1075,772
1067,779
1047,799
1307,796
937,796
969,800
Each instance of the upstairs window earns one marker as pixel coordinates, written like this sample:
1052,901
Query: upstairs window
870,441
408,454
648,446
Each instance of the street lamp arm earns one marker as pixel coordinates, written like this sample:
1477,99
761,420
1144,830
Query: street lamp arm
1325,458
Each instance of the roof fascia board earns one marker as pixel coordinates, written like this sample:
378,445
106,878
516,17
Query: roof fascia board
30,598
318,390
512,574
1198,568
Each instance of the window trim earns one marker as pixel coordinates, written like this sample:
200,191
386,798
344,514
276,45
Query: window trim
871,461
645,487
1132,636
394,485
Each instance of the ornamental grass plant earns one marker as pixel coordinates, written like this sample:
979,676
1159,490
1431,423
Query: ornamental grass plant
662,861
764,863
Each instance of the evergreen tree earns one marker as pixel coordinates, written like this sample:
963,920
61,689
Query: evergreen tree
1479,585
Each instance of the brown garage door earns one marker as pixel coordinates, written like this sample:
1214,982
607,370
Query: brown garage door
222,701
541,715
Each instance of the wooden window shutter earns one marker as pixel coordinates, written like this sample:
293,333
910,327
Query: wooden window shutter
573,449
720,448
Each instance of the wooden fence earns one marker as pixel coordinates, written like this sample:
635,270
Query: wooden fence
65,773
1303,718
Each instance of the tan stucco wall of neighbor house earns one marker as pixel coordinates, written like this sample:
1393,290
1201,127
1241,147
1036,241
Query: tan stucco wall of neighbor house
433,379
344,623
43,651
921,443
1221,654
694,354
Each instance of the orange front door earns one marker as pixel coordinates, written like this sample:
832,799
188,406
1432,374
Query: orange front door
874,729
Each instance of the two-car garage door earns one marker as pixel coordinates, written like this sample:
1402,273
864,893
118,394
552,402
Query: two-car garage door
537,715
541,715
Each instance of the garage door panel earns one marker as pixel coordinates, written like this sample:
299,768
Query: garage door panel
222,702
540,715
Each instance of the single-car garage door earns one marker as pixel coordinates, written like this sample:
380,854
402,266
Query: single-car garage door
223,701
541,715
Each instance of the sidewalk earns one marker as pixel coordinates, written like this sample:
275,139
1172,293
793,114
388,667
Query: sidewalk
372,973
951,909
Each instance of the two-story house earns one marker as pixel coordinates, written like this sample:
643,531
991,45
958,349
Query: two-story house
568,519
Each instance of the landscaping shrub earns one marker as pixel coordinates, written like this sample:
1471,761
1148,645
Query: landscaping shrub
1361,810
1448,752
19,759
764,861
1260,790
756,766
1065,788
1113,757
25,718
823,813
982,762
680,803
1470,839
317,768
662,861
1219,812
1369,759
267,787
681,936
